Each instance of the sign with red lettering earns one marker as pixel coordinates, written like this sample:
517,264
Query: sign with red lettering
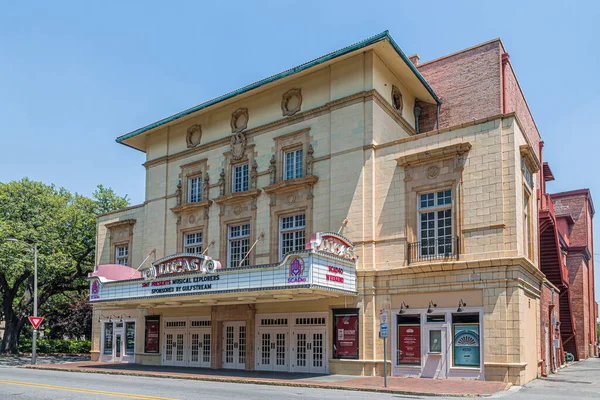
346,336
332,243
35,321
409,344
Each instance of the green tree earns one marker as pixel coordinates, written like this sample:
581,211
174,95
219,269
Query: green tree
63,226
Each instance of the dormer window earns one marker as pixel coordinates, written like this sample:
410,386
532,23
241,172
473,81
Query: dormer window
195,189
292,164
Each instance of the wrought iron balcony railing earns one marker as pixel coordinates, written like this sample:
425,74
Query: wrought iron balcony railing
434,249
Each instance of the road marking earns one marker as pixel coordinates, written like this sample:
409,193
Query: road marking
80,390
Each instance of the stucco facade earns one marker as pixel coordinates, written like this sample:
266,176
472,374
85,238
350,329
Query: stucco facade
369,170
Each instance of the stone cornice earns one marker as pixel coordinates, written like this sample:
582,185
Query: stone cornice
120,210
194,206
237,196
530,157
291,184
434,154
118,224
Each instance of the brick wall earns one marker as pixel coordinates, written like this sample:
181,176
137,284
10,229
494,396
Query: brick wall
469,84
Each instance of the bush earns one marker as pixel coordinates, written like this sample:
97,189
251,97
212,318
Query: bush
56,346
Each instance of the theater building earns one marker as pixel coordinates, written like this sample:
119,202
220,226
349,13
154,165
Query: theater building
279,219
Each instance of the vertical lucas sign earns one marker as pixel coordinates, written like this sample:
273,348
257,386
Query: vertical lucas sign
332,243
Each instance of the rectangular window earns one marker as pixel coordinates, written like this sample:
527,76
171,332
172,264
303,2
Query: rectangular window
239,178
192,243
108,338
195,189
291,234
292,164
129,338
409,340
152,334
466,340
435,224
122,255
527,175
239,244
526,227
345,333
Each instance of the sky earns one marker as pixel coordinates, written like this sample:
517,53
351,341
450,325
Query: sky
74,75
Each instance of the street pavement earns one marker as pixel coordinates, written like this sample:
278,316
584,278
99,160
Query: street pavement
577,382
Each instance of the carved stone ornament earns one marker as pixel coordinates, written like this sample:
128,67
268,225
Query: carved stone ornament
461,161
178,193
407,175
238,146
205,184
291,102
239,120
397,99
291,199
237,210
222,183
272,169
194,134
433,172
192,219
309,160
253,174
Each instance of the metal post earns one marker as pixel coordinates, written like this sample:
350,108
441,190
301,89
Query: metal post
35,305
384,362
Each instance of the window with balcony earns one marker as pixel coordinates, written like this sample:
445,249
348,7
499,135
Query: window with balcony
194,189
239,177
122,255
192,243
292,234
239,245
292,167
435,237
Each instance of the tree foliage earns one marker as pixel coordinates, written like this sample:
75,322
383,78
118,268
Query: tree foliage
63,227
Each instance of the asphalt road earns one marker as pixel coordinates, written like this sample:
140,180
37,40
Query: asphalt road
577,382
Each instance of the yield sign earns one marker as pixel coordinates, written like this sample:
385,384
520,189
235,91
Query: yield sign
35,321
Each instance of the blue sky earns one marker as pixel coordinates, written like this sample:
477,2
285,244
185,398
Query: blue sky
74,75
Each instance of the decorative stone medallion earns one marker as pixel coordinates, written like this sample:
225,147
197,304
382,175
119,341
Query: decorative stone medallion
194,134
397,99
291,102
238,146
239,120
192,219
433,171
291,199
237,210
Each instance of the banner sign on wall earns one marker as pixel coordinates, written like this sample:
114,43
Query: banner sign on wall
409,344
346,336
466,345
152,334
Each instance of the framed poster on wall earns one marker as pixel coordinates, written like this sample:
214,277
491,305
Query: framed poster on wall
466,345
409,344
345,333
152,337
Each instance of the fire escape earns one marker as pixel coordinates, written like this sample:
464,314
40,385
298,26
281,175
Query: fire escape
553,265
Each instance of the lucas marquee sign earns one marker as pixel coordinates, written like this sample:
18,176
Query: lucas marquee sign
328,263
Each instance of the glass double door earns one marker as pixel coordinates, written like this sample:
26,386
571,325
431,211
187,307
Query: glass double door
234,345
272,350
187,348
310,351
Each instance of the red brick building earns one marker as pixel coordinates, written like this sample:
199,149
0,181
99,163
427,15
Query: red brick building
568,310
574,212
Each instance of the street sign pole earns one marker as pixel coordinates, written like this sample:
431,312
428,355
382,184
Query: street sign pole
383,333
384,362
35,306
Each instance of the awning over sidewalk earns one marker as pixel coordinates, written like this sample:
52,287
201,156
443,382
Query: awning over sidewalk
325,269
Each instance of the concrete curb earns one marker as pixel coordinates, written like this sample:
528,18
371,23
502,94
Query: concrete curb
260,382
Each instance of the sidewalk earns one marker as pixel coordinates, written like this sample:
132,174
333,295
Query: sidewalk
415,386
